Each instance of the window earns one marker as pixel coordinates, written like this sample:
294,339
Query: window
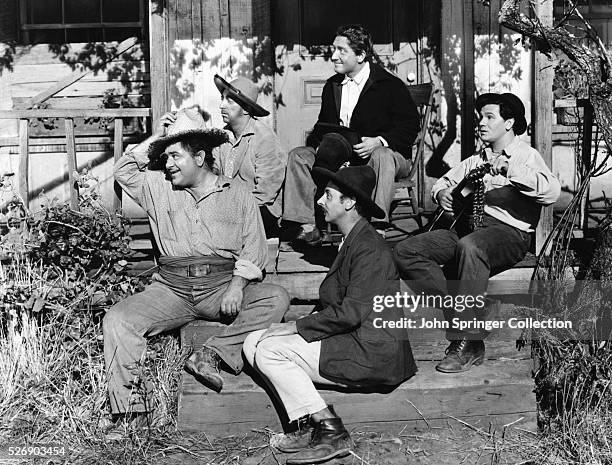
66,21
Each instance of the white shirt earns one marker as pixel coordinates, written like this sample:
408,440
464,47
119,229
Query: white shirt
351,90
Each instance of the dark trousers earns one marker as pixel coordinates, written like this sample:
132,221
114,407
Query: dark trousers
270,222
471,259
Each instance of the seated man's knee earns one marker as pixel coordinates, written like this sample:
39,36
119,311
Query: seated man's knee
249,347
380,155
468,246
114,318
301,156
281,299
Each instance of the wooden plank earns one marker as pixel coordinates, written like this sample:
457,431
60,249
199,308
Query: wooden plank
172,19
24,161
542,115
196,19
184,20
118,152
493,389
90,88
72,78
58,113
160,62
72,163
469,87
211,28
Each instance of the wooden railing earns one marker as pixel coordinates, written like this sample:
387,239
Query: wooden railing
24,117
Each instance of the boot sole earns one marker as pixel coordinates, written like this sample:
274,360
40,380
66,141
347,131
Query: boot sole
466,367
339,453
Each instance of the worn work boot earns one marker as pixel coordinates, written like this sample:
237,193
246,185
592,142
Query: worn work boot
329,440
203,365
461,355
298,439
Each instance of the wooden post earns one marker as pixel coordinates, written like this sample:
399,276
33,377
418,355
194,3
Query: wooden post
24,149
72,163
587,143
541,114
469,87
118,151
160,61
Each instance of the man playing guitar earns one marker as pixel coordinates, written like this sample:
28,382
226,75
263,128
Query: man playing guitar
508,200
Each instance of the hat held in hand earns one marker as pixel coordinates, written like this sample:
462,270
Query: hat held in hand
189,123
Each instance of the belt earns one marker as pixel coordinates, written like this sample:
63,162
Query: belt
194,271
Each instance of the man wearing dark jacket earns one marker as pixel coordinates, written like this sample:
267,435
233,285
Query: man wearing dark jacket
343,341
376,107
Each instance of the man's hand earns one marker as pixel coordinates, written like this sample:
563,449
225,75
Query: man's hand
279,329
367,146
500,166
231,302
165,121
445,199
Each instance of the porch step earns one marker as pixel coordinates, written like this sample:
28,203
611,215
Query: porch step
497,392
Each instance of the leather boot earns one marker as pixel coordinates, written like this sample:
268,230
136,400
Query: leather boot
203,365
298,439
461,355
329,440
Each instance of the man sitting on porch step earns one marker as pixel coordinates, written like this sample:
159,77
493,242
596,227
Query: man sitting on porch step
213,250
339,343
377,108
511,196
254,153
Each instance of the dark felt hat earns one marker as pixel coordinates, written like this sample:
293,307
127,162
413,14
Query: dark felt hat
320,129
244,92
189,122
358,181
512,102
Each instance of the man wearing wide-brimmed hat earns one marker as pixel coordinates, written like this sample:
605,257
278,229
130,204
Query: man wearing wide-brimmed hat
340,343
513,192
212,252
254,153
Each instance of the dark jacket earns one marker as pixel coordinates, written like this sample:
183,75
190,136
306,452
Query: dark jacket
353,351
384,108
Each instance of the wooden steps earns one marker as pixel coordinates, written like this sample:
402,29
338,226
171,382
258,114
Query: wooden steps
498,392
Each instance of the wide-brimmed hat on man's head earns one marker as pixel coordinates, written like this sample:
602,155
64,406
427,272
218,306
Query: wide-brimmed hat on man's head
189,123
510,101
244,92
355,181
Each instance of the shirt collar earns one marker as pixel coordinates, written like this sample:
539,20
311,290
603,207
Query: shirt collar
361,76
510,150
248,130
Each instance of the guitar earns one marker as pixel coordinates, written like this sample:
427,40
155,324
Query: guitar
463,197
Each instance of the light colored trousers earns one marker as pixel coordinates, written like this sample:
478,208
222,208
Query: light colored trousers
163,306
291,366
300,189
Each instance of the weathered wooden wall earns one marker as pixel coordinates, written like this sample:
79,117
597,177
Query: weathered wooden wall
36,68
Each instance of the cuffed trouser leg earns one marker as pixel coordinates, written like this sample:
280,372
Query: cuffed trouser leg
125,328
388,166
299,193
291,366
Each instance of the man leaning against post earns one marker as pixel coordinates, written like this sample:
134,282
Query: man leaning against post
372,103
213,250
491,237
340,343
